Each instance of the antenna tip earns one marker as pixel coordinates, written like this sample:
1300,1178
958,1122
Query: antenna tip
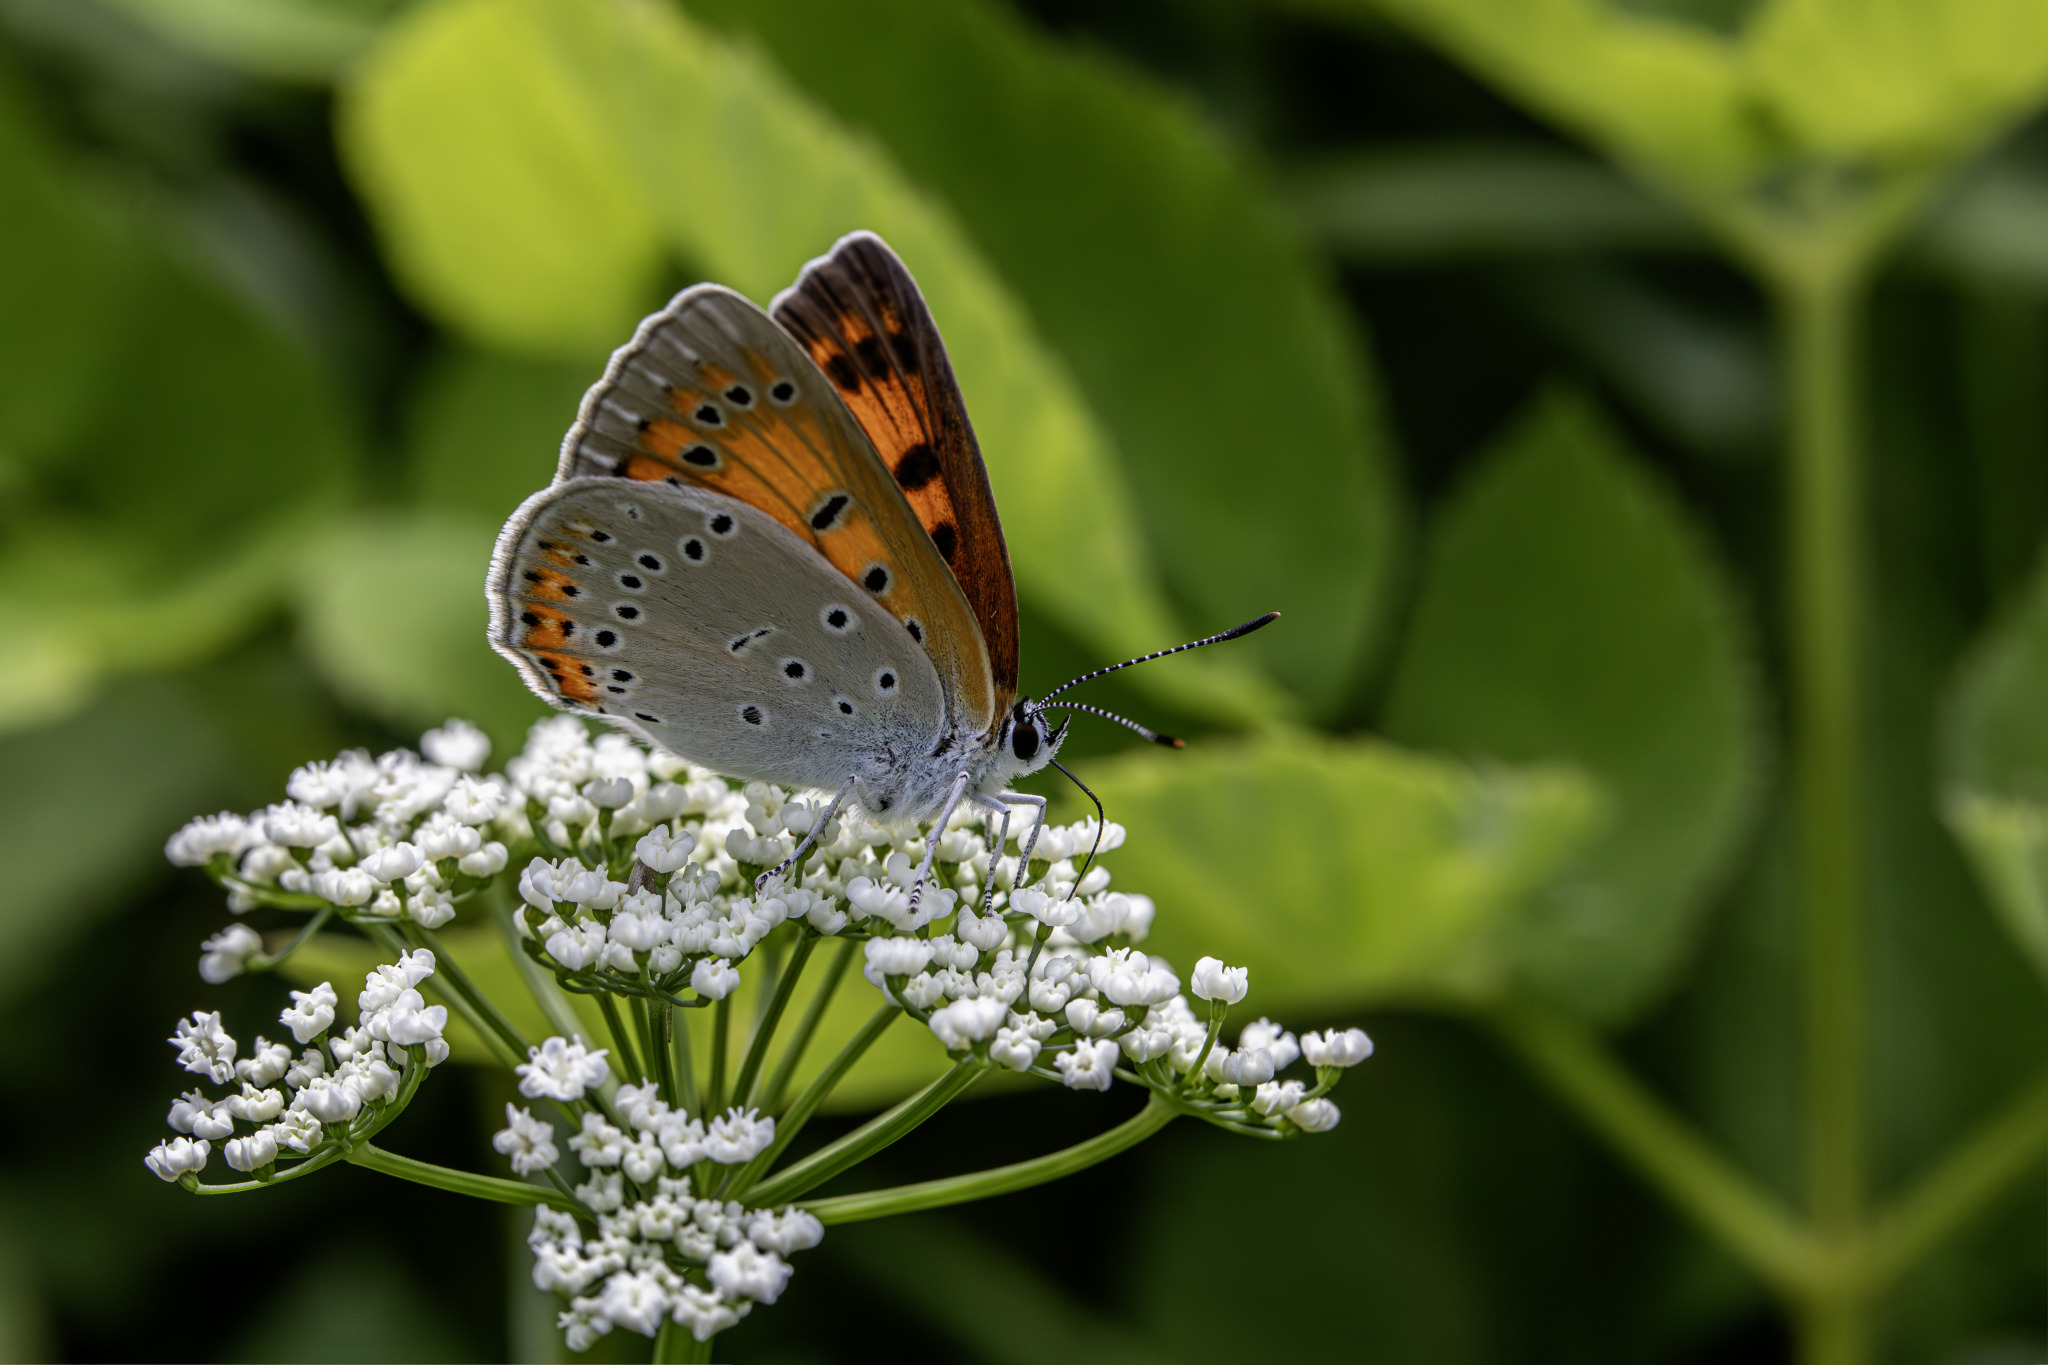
1238,632
1173,743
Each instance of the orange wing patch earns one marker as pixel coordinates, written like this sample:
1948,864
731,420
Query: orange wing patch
711,393
860,318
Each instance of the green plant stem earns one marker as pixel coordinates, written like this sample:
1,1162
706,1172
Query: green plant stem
1824,557
625,1065
877,1133
721,1040
485,1007
764,1031
785,1070
679,1043
270,962
960,1189
790,1123
2004,1150
491,1187
1668,1153
674,1345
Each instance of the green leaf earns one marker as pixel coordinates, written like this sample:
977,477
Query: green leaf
294,40
1212,349
392,612
510,150
61,265
1339,871
1902,77
487,427
1568,613
1454,200
503,199
72,842
1994,760
1668,96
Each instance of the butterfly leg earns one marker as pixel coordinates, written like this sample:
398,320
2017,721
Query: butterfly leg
931,844
1037,827
997,808
811,837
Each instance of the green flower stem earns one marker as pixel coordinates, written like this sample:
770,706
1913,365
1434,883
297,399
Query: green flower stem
1825,559
674,1345
1662,1148
624,1064
490,1187
643,1031
960,1189
445,989
863,1142
659,1024
1975,1172
485,1007
721,1040
679,1044
313,926
785,1070
789,1124
324,1158
553,1002
764,1032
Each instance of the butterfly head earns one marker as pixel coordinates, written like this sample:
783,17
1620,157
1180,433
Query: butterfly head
1026,742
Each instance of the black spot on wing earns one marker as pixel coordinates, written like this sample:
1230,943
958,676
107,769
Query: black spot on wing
918,466
827,514
843,372
947,539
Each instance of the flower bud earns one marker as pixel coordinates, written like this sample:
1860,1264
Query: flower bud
1214,981
608,793
1314,1116
1333,1048
714,978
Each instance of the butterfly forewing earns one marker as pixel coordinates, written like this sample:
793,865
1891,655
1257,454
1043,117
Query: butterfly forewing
709,628
712,394
860,317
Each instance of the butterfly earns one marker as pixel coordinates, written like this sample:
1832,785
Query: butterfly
771,548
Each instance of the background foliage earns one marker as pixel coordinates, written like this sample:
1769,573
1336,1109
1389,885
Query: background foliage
1404,320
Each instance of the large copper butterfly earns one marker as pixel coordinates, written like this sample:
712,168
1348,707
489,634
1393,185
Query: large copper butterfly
771,548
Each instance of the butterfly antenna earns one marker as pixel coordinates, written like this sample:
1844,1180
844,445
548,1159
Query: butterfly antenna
1233,633
1101,818
1168,740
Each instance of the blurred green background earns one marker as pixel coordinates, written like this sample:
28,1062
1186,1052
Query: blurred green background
1427,323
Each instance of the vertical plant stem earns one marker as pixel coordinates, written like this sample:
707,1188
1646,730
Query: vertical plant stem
659,1053
764,1029
686,1078
721,1040
674,1345
785,1070
1819,307
627,1065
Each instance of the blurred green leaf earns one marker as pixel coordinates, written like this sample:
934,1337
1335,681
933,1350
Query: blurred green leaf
1212,349
486,429
659,128
293,40
72,842
62,266
392,612
1913,81
1568,613
1455,200
1995,766
1909,77
1339,871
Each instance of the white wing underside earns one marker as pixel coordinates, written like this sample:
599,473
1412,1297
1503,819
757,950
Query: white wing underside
726,653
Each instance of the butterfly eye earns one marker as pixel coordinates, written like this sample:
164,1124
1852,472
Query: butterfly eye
1024,742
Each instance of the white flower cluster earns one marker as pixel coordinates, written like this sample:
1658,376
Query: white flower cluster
391,838
660,1250
346,1081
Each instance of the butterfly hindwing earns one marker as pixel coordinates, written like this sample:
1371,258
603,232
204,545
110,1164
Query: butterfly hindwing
860,317
712,394
707,627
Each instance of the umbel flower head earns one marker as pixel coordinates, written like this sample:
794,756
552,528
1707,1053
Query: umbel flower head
637,879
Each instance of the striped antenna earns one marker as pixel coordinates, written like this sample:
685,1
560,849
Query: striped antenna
1233,633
